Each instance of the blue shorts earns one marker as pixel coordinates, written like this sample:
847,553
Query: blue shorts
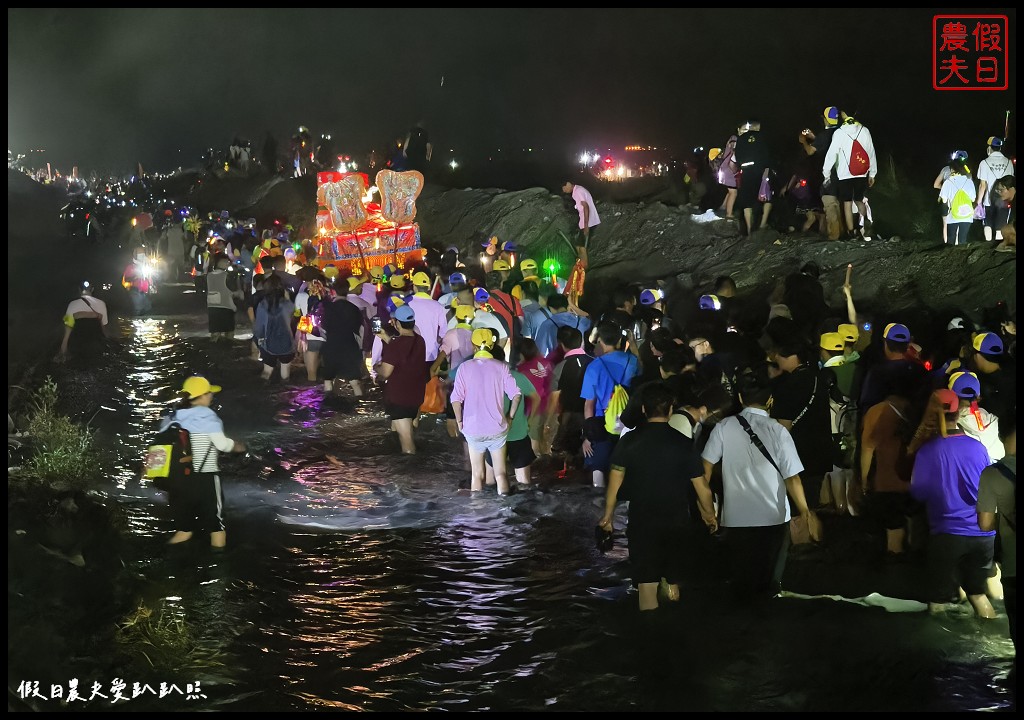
601,460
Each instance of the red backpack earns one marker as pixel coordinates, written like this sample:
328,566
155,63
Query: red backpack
860,163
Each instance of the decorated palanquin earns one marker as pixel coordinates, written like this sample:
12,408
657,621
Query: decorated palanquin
356,233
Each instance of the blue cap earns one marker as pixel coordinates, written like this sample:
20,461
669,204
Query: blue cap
649,297
456,279
896,332
404,313
965,385
988,344
509,246
710,302
481,295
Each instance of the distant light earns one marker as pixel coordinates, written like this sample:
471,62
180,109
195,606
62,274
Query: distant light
453,164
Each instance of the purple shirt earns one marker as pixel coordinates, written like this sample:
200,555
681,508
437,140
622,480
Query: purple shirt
481,385
946,475
431,322
457,346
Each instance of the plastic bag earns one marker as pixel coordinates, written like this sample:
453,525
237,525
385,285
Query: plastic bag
433,397
979,213
765,193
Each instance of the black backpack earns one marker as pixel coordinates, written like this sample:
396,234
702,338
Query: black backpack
169,456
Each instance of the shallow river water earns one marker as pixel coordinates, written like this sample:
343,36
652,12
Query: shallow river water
384,585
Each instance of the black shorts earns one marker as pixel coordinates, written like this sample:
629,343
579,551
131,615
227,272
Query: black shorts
87,339
852,189
271,360
891,509
518,453
656,553
996,217
958,561
222,320
746,195
197,503
569,438
401,412
601,459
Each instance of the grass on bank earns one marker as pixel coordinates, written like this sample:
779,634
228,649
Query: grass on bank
62,453
165,641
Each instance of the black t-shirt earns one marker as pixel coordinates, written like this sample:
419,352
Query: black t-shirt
907,377
805,298
999,393
416,150
340,321
752,152
621,318
822,141
570,383
801,397
660,463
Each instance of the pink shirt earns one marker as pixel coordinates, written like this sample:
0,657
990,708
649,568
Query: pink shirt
481,385
431,322
581,196
539,372
457,346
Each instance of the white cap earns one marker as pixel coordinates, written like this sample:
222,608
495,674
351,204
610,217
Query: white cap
956,323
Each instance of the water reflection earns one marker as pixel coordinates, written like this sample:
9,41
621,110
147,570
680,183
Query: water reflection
379,583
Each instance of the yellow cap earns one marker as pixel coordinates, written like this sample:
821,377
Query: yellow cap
850,332
527,265
397,282
354,282
501,265
833,342
421,279
464,312
483,338
330,272
197,386
377,272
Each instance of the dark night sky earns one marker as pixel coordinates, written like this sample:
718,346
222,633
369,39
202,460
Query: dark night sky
106,88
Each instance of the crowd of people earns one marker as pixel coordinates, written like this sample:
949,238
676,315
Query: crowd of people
748,419
824,190
745,418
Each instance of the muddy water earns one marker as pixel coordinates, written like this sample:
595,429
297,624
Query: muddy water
382,584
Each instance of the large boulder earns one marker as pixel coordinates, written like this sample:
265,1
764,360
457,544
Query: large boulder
647,242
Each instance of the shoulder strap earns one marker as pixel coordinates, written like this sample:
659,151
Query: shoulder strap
1005,471
625,369
810,402
756,440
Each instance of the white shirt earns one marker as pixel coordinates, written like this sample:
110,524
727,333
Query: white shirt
991,169
754,491
90,305
950,187
581,196
484,319
841,148
369,293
